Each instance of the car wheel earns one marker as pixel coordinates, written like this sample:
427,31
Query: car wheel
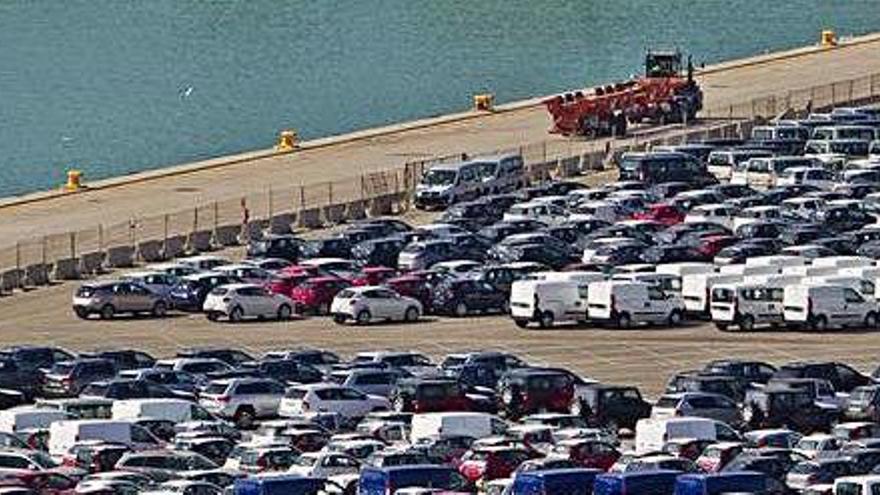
819,323
504,308
160,310
236,315
461,309
363,317
81,313
623,321
546,320
284,312
674,318
339,319
746,323
521,323
212,316
722,326
244,418
412,314
871,320
107,312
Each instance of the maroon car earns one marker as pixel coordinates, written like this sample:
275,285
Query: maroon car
315,294
589,453
530,390
374,275
492,463
412,286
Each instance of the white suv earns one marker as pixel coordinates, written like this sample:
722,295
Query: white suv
367,304
240,301
243,399
321,397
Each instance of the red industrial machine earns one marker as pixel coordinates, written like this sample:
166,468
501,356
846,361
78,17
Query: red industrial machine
662,96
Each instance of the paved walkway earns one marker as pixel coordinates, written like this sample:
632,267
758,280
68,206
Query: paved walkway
726,84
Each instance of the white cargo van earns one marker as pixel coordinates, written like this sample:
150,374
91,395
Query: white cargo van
844,261
625,304
450,424
695,289
823,306
652,434
177,410
779,261
749,270
809,270
864,286
667,282
867,484
685,268
746,305
546,302
24,418
65,434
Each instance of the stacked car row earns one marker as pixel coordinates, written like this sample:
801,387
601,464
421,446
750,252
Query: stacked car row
478,420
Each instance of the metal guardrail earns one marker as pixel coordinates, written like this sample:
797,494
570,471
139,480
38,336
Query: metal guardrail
81,253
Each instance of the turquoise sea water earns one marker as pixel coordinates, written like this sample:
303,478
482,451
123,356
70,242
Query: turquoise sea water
119,86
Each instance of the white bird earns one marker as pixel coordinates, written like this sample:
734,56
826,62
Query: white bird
186,91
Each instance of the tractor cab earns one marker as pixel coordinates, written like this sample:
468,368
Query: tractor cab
663,64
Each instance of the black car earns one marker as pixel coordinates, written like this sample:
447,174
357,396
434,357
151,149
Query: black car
785,407
738,253
472,215
12,377
387,226
379,252
330,247
762,229
731,387
498,231
565,233
502,277
128,359
844,219
461,297
669,254
120,389
610,406
536,253
842,245
751,371
470,246
232,357
843,377
287,370
619,254
190,293
35,358
286,247
799,234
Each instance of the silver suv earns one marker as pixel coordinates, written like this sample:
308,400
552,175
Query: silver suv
107,299
243,399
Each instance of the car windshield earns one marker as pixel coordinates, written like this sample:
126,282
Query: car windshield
219,291
216,389
346,294
805,468
722,295
859,148
847,488
62,368
438,177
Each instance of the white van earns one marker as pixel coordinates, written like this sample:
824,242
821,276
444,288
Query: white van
685,268
754,214
809,270
535,210
746,305
667,282
177,410
546,302
450,424
823,306
867,484
815,176
23,418
652,434
779,261
626,304
65,434
844,261
864,286
762,173
447,183
695,289
749,270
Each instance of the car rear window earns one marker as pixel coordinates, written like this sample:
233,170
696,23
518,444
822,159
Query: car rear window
667,402
216,389
219,291
346,294
548,382
295,393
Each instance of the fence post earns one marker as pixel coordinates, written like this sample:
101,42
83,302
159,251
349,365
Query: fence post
363,187
216,215
165,228
101,237
72,245
45,247
330,193
269,201
18,262
195,227
302,198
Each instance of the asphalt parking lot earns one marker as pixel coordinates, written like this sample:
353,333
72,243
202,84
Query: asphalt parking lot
642,357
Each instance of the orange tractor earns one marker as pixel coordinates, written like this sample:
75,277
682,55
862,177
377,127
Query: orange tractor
662,96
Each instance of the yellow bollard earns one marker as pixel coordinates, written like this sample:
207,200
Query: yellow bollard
74,181
286,141
484,102
829,38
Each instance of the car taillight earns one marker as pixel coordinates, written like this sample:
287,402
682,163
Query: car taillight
66,382
33,441
352,302
262,463
306,406
613,303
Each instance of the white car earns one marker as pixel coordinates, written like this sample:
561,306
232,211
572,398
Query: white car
157,281
326,397
325,464
373,303
246,272
240,301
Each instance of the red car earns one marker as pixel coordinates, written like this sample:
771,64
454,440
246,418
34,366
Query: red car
661,213
710,245
491,463
412,286
717,455
311,271
531,390
43,482
284,283
588,453
421,395
374,275
315,294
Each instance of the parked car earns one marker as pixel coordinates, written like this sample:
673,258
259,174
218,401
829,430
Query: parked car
239,301
373,303
461,297
110,298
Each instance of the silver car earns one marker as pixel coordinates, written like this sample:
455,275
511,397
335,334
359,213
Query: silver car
109,298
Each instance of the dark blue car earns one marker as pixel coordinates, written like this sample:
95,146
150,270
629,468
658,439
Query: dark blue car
381,481
575,481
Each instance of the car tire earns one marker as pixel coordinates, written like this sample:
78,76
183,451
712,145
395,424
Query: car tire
746,323
674,318
339,319
108,312
521,323
504,308
212,315
363,317
284,313
818,323
81,313
411,315
460,310
160,309
236,315
244,418
870,321
546,320
724,327
623,321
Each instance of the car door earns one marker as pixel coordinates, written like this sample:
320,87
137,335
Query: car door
656,305
142,298
353,402
854,307
123,299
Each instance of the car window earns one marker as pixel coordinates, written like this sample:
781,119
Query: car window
851,296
